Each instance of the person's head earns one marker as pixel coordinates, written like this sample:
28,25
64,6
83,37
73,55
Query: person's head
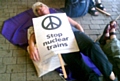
40,9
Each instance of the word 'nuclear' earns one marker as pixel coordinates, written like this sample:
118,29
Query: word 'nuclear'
56,41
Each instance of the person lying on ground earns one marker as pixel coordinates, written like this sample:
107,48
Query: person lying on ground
74,60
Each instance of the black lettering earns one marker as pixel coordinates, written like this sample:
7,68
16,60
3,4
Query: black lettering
65,39
57,46
53,35
49,47
60,34
55,40
48,36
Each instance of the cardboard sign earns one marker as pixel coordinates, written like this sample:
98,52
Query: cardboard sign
53,36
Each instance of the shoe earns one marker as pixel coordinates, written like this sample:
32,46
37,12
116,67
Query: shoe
107,29
100,6
67,79
93,11
62,76
113,24
103,38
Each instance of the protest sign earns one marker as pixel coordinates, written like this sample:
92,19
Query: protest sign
53,36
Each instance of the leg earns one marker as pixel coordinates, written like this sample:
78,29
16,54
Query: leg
93,50
115,61
92,10
109,31
78,68
103,38
97,1
76,8
112,51
113,27
99,5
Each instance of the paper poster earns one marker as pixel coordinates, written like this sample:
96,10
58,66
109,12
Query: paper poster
53,35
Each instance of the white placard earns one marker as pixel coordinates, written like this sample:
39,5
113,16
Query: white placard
53,35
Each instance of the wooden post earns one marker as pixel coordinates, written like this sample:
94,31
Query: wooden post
103,11
117,18
62,65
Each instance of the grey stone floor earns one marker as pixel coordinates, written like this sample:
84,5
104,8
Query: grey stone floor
15,64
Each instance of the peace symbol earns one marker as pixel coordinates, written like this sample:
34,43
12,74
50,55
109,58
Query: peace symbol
51,22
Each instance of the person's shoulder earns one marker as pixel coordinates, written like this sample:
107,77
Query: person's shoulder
55,10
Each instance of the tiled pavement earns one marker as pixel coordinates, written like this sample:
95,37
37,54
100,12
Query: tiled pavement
15,64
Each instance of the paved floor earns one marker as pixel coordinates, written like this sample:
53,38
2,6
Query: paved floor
15,64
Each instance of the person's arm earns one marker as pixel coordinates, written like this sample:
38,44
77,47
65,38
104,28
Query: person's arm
34,54
75,24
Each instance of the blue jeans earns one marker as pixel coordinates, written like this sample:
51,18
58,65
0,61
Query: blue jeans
77,8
